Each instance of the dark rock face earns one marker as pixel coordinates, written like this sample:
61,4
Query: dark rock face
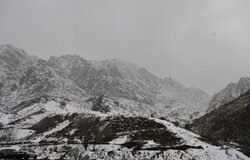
228,123
101,104
231,92
138,129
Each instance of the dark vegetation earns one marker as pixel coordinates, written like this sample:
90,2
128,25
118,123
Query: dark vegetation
1,125
140,129
229,123
181,147
50,122
92,130
136,145
24,118
160,136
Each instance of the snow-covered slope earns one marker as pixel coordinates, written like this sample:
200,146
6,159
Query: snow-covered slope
123,80
13,65
23,77
119,137
231,92
57,127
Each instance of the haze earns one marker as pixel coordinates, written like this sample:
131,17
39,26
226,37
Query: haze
205,44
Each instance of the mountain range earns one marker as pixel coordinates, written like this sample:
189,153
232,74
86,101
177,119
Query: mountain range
23,77
70,108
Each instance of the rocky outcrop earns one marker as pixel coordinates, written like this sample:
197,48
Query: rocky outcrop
231,92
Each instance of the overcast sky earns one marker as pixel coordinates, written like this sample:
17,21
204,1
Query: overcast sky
200,43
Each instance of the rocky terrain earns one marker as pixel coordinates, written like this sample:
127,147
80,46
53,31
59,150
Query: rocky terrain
23,77
71,108
231,92
229,124
60,128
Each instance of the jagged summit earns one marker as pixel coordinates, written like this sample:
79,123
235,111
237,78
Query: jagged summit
231,92
244,84
9,48
72,75
120,64
171,82
10,55
67,102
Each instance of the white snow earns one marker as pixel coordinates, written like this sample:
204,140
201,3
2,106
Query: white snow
22,133
56,129
209,151
119,140
5,118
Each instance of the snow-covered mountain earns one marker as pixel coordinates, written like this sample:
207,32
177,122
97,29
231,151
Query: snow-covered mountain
110,77
71,108
13,65
118,79
231,92
23,77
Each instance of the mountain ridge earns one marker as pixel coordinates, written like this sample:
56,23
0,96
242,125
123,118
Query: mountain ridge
67,105
229,93
228,124
75,76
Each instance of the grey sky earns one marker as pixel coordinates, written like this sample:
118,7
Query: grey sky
200,43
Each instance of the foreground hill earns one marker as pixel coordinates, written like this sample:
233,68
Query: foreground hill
72,108
58,128
229,124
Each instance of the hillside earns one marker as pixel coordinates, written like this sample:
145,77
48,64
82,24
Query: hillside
71,108
231,92
60,128
229,124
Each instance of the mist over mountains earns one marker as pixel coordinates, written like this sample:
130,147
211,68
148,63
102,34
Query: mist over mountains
24,77
67,103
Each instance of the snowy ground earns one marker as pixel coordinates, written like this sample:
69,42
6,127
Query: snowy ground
34,113
114,150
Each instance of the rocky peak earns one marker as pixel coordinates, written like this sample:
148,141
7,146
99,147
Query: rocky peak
231,92
171,83
67,61
243,85
10,49
74,76
12,58
68,66
228,124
